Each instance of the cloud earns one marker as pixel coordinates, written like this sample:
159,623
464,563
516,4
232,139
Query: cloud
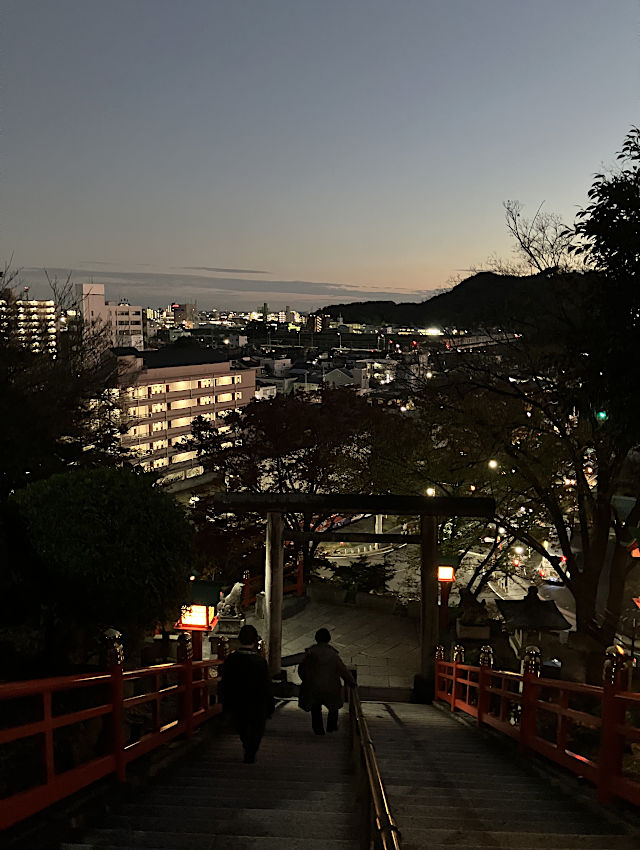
151,289
223,271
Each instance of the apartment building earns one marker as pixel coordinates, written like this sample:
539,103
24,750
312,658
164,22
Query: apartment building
125,322
163,391
32,322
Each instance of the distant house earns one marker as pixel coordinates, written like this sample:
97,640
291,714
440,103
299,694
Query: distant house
347,378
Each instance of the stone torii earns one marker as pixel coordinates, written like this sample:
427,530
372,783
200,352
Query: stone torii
428,508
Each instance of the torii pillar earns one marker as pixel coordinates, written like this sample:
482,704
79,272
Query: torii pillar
429,602
273,585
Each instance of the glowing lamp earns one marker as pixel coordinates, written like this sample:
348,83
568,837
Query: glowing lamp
197,618
446,573
198,613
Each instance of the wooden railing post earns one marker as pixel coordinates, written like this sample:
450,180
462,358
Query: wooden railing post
531,667
115,662
613,713
484,681
185,657
458,658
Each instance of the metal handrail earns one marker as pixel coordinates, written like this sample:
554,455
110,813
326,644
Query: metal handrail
377,804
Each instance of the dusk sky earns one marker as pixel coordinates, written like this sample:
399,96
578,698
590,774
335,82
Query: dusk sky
301,152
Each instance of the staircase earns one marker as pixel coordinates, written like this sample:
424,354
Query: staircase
449,788
299,795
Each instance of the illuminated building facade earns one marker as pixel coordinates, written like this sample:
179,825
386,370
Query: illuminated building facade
163,391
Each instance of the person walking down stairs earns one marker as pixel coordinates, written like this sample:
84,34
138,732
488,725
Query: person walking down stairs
246,692
322,672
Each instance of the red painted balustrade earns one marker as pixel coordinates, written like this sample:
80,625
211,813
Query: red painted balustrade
293,583
137,711
586,729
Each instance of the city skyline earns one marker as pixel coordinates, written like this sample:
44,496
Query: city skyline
299,153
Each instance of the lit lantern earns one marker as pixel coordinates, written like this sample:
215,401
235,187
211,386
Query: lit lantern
197,618
446,577
446,573
199,612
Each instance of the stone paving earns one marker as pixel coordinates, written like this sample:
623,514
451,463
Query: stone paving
384,648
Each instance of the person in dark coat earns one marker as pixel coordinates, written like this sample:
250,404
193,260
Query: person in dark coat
246,692
322,672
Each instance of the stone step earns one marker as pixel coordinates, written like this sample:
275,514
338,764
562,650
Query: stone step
486,810
253,783
529,825
220,842
325,800
217,814
417,839
269,823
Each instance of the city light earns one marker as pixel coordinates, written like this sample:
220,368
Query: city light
493,464
431,491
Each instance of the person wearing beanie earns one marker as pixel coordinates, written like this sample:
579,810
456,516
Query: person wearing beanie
322,672
246,692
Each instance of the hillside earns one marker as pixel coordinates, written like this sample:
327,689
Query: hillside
484,300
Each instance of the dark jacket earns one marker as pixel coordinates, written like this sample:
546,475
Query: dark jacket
321,671
246,684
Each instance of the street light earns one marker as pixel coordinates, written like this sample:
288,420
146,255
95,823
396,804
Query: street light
493,464
431,491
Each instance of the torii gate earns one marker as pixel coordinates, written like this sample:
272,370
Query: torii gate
428,508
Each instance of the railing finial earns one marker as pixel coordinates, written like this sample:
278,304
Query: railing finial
616,665
486,656
112,648
532,661
458,654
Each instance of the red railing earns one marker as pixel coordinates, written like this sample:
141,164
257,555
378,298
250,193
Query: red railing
293,577
167,700
584,728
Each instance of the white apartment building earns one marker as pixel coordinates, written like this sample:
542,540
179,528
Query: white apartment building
31,321
125,321
163,391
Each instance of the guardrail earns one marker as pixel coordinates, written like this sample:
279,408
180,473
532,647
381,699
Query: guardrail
379,829
293,577
137,711
586,729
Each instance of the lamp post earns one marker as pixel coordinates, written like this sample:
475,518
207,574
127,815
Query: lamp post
446,577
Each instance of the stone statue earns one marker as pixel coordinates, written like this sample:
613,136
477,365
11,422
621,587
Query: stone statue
229,606
474,613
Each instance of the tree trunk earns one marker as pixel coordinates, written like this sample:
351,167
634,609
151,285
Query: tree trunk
615,595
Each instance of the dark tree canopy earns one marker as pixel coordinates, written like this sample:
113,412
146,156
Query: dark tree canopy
91,549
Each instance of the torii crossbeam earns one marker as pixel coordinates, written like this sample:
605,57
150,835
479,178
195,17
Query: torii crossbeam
428,508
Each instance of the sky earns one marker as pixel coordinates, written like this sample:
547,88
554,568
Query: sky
299,152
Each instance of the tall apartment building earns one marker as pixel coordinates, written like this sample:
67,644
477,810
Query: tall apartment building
125,322
163,391
32,322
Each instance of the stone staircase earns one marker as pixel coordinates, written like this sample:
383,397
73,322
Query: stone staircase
449,788
299,795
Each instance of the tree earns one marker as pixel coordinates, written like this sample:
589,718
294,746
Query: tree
540,244
88,549
62,410
364,575
290,444
556,399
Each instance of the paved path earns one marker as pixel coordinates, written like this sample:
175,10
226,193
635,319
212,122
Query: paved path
384,648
